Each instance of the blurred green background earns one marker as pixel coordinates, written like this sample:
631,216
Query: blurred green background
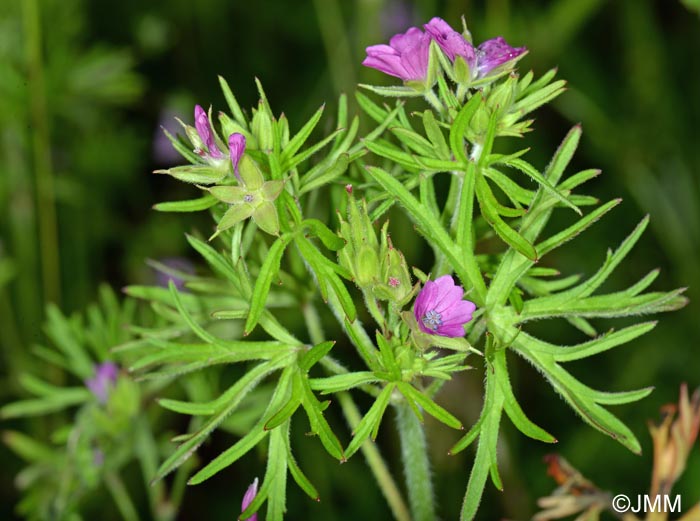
85,86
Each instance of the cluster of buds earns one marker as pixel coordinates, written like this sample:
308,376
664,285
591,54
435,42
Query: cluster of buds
376,266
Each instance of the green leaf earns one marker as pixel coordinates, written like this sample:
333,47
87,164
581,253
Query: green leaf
342,382
299,476
486,451
319,425
217,261
465,211
233,105
429,406
289,408
414,141
316,179
373,110
195,174
192,205
393,92
325,271
183,149
579,226
268,271
292,162
369,425
230,455
385,149
611,305
459,127
604,343
28,448
63,398
329,239
300,137
313,355
532,172
234,396
580,397
562,157
469,437
538,98
511,405
386,352
489,205
435,135
515,192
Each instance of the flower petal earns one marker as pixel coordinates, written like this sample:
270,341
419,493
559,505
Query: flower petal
236,147
494,53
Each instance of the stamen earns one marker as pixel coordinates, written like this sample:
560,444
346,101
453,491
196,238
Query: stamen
432,320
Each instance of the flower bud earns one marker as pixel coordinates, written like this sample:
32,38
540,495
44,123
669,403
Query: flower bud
501,97
366,267
360,255
262,128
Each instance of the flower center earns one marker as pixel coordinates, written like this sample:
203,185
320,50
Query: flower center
248,198
432,320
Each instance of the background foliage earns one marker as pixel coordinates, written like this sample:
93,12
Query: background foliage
85,85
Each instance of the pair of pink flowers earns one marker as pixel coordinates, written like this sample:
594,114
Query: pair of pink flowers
408,54
236,142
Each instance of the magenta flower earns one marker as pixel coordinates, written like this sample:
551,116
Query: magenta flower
405,57
248,498
104,379
440,310
206,134
236,147
450,41
494,53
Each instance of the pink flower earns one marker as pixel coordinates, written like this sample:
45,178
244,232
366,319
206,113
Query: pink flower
494,53
450,41
104,379
405,57
236,147
440,310
248,498
206,134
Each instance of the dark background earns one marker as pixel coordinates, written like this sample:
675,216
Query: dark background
113,72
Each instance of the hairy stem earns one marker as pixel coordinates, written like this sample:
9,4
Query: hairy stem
376,463
414,453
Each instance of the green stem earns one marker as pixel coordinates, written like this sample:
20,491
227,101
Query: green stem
434,101
41,146
116,487
313,323
376,462
414,452
451,204
352,416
